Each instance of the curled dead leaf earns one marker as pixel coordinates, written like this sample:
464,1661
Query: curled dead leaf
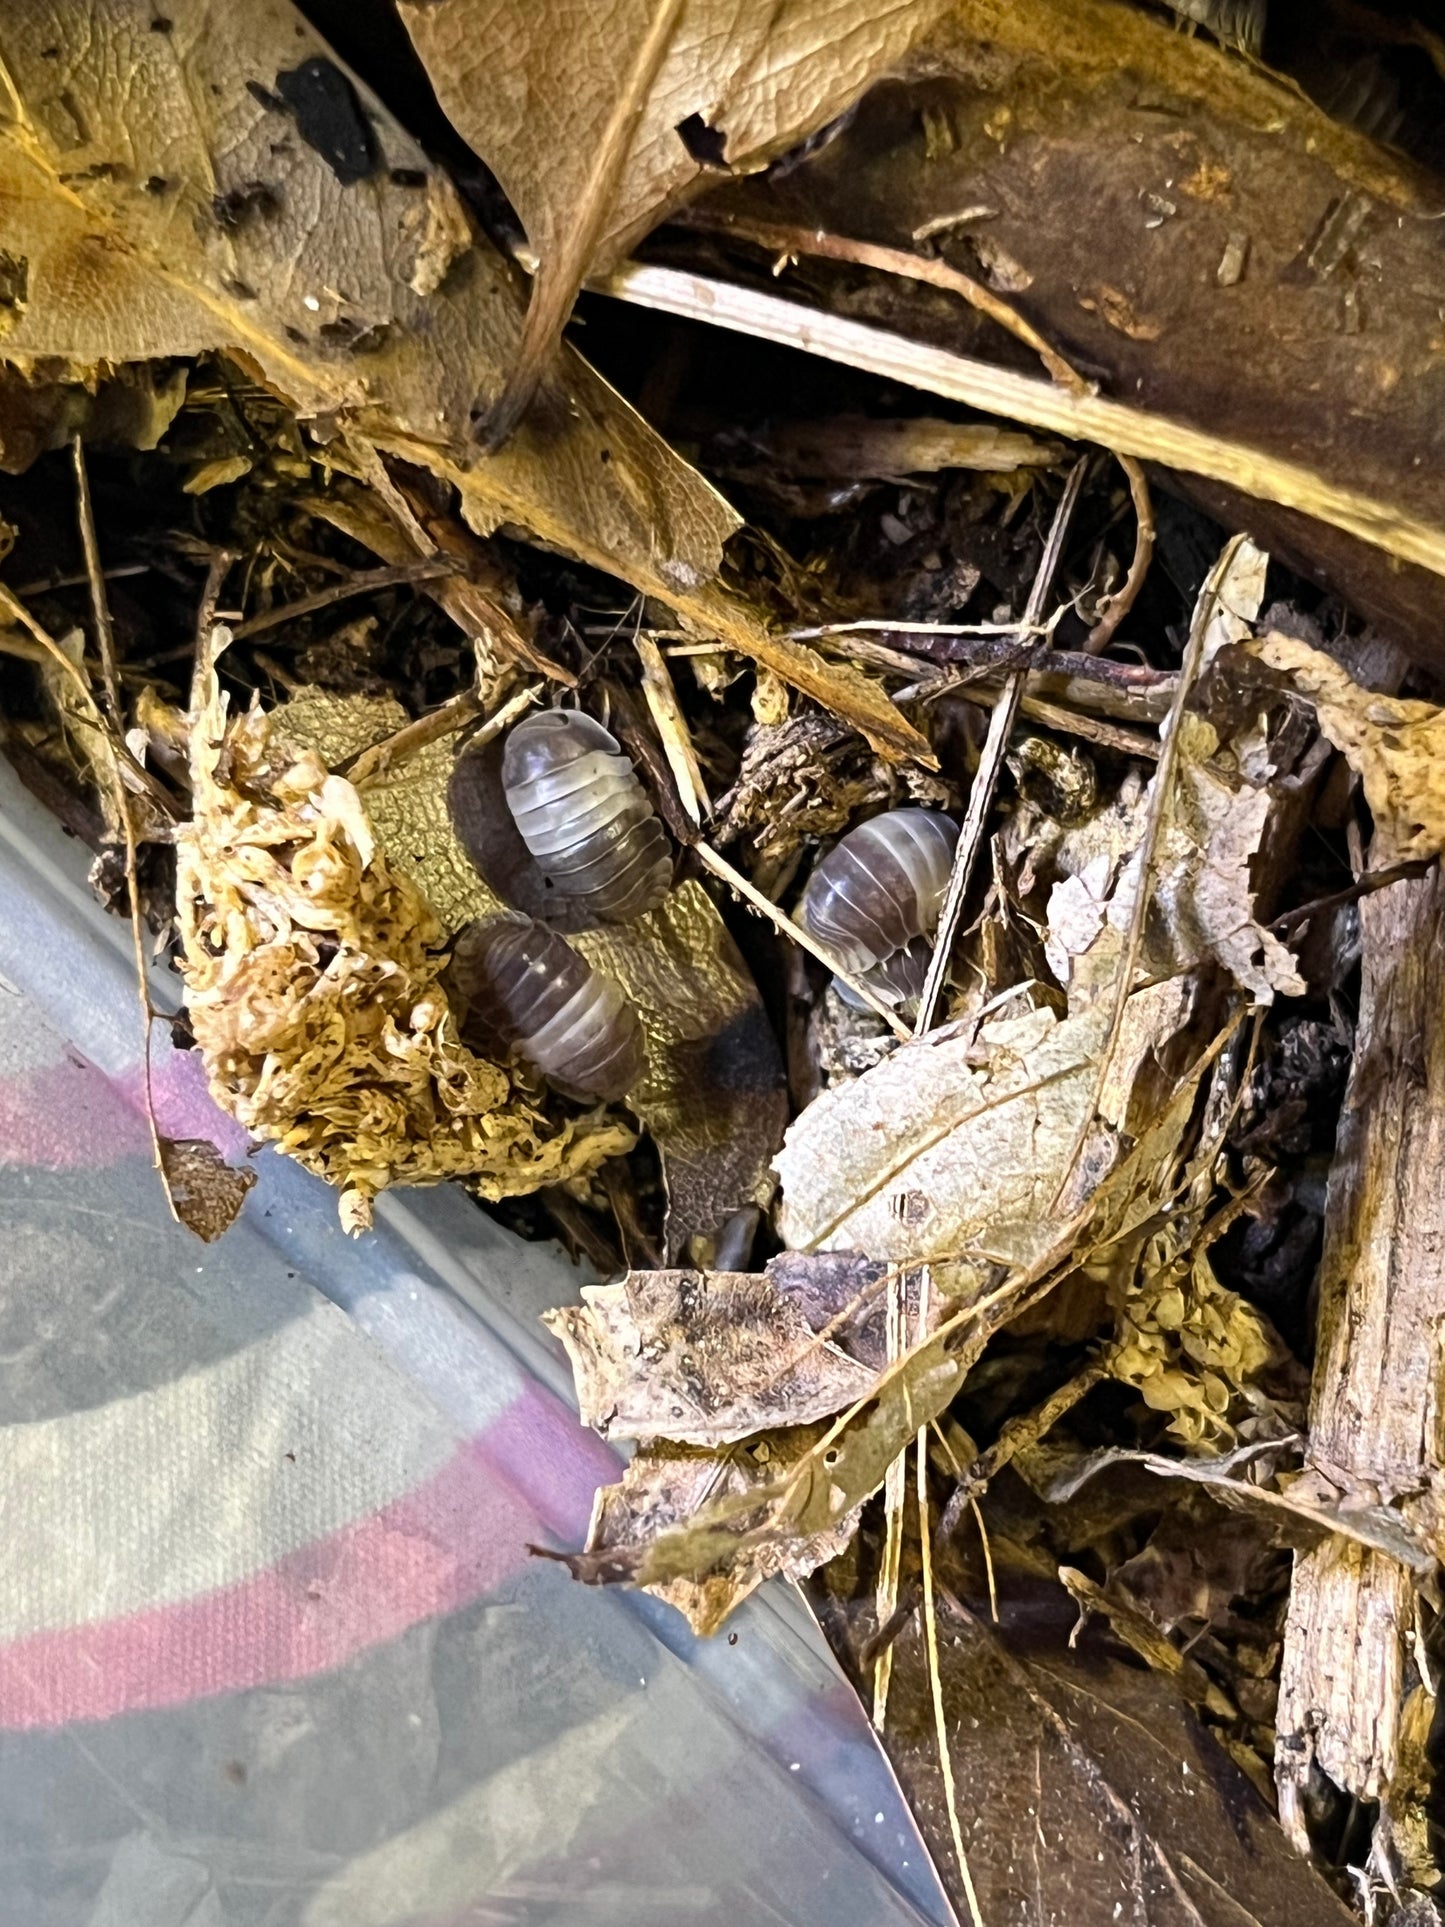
1395,746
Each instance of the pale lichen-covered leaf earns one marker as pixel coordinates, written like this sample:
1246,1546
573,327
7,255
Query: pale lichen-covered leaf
703,1358
532,85
665,1487
1395,746
954,1150
311,968
218,182
713,1096
1216,823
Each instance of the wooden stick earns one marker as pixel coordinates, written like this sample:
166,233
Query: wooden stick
426,569
1376,1402
1025,398
657,687
780,239
780,920
990,762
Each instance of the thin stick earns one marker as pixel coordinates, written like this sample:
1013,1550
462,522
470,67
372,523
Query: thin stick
1026,398
1103,631
935,1683
990,764
895,1491
99,607
555,288
1025,1430
1154,823
780,920
373,764
1364,886
427,569
913,267
657,687
105,641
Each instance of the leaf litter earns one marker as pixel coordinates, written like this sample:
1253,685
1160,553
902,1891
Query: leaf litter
1014,1311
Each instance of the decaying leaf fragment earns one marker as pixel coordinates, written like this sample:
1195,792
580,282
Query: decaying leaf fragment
532,85
668,1485
206,1193
311,968
1395,746
710,1358
713,1095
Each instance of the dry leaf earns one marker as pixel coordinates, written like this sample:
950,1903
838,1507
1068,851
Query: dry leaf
532,85
1396,747
713,1096
217,182
667,1485
128,407
953,1150
311,969
704,1358
206,1193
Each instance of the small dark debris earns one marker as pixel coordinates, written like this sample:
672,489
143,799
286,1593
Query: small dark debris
329,118
707,145
243,203
408,177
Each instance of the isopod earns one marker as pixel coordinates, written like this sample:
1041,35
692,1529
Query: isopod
527,989
584,816
874,899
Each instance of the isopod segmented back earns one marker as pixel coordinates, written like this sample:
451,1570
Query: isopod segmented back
878,893
584,816
526,988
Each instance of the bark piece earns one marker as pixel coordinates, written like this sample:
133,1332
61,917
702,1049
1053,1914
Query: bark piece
1376,1405
1113,163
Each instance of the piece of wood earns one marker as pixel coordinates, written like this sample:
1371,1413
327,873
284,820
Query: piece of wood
1375,1409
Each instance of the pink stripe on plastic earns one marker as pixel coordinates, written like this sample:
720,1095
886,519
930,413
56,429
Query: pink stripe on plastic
446,1543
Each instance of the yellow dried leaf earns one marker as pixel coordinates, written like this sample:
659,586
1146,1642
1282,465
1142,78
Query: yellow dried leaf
311,969
533,84
712,1096
1395,746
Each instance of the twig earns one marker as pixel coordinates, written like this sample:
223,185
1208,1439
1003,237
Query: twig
1154,822
935,1682
105,642
1000,728
1025,398
560,275
1364,886
672,727
1025,1430
780,919
1103,631
371,765
781,239
366,583
1069,722
895,1490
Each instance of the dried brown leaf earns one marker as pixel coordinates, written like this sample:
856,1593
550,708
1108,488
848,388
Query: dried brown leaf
1093,1794
175,200
1395,746
206,1193
532,85
703,1358
311,969
713,1095
663,1488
